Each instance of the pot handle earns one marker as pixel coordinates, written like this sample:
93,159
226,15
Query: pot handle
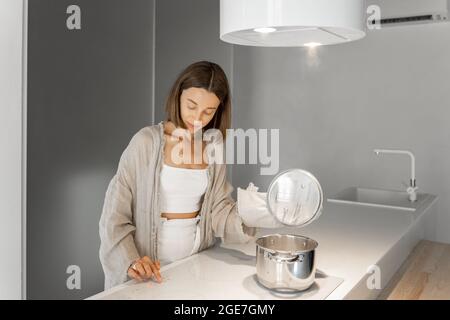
280,258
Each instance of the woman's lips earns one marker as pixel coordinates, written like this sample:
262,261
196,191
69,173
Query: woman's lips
190,126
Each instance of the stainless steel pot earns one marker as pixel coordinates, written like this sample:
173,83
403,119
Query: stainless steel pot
286,262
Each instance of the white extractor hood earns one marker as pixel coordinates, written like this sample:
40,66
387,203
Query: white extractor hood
291,23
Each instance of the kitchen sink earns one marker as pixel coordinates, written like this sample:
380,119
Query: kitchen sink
378,198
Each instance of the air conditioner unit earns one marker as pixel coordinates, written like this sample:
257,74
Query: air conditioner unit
409,12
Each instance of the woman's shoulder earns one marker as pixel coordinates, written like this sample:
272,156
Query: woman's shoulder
146,137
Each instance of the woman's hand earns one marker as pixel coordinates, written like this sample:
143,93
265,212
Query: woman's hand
253,210
144,268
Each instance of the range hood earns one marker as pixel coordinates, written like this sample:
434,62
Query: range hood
291,23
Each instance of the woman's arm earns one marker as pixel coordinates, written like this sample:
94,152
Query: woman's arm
116,228
226,222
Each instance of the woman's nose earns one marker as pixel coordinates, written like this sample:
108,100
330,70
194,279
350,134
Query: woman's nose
198,117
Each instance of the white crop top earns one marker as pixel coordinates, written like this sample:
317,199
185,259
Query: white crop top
182,188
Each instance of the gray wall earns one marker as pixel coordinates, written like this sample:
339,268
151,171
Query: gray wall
89,91
335,104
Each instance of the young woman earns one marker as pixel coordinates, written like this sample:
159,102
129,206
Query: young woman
158,209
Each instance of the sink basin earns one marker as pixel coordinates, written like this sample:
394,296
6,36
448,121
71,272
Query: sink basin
378,198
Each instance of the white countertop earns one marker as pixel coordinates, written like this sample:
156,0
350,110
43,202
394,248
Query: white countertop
351,238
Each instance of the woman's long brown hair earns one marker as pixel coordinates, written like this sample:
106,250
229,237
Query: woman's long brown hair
209,76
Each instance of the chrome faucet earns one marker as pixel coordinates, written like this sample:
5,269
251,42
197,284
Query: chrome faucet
412,188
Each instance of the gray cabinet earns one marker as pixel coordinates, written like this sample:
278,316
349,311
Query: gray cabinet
89,91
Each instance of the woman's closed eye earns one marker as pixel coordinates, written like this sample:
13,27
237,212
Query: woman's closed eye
208,112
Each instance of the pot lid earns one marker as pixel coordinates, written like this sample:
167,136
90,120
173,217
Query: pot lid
295,197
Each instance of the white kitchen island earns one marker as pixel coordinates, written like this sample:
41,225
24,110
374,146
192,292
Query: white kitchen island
354,241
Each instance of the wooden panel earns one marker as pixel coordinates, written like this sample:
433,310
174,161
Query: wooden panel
424,275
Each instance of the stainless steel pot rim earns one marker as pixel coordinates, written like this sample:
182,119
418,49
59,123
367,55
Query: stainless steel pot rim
287,252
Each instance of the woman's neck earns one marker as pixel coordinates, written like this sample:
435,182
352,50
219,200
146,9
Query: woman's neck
169,128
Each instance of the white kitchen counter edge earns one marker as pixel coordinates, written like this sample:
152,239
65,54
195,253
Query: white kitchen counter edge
391,259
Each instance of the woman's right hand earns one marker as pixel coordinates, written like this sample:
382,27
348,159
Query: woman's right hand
144,268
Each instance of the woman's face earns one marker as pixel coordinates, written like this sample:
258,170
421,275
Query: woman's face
197,104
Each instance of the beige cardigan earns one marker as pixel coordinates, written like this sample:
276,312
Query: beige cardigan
130,217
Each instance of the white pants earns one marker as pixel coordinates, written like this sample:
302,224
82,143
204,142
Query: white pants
177,239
